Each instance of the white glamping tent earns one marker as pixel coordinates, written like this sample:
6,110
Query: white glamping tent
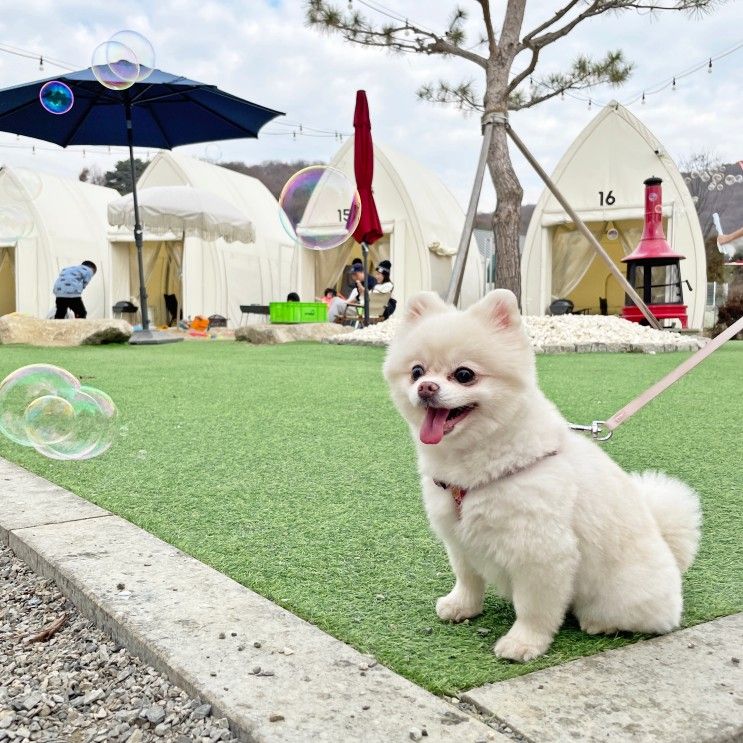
422,224
601,176
46,223
207,277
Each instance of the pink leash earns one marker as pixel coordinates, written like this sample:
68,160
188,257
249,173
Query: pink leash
608,427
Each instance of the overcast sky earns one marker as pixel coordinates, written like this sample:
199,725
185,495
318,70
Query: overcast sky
262,50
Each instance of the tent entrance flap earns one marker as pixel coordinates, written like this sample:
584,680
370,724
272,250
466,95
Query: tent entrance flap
579,277
7,280
163,273
330,265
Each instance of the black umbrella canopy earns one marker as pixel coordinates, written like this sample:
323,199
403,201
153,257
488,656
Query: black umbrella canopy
161,111
166,111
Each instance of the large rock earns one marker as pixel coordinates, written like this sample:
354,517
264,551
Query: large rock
267,333
17,328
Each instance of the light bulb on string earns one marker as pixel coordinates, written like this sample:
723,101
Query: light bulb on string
643,98
589,104
673,87
41,64
709,66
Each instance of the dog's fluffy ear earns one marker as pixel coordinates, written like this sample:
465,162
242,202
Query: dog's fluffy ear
422,304
500,308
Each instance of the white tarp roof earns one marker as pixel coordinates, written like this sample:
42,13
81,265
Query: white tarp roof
182,209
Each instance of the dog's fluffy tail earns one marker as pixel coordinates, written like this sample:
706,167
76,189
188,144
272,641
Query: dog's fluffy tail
675,507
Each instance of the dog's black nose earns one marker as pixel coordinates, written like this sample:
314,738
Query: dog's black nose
426,390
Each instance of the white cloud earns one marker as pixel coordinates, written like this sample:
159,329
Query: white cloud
264,51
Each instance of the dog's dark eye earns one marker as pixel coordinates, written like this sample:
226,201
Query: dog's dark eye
417,372
463,375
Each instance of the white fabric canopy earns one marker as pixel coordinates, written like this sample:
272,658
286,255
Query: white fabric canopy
183,209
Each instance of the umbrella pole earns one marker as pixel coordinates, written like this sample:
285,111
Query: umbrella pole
365,253
137,224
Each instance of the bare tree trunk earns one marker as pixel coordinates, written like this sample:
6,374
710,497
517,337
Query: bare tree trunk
507,216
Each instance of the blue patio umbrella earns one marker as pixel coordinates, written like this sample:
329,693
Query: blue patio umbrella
163,111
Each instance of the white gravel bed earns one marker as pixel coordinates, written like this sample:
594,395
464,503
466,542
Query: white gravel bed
561,334
79,686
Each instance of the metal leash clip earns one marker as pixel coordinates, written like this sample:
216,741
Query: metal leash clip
595,429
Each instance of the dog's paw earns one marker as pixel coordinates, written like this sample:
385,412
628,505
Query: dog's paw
596,627
521,645
451,608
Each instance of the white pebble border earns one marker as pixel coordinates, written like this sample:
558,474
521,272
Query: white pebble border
561,334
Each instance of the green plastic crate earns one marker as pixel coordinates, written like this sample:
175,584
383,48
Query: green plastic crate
296,312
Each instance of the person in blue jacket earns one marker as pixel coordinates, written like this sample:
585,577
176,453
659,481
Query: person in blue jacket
68,289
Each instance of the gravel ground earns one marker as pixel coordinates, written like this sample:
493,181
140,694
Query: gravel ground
561,334
79,686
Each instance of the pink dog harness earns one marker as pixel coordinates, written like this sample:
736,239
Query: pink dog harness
458,493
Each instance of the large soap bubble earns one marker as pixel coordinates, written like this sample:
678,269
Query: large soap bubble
143,50
114,65
45,407
320,207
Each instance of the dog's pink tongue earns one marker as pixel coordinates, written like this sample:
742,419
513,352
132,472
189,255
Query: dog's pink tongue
432,430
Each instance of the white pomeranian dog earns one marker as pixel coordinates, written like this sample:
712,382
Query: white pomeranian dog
521,502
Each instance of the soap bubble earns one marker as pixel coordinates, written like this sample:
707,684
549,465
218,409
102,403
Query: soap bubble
56,97
45,407
719,186
144,52
114,65
658,209
704,176
26,184
49,420
729,180
694,174
19,389
320,207
717,177
92,429
15,223
739,178
711,187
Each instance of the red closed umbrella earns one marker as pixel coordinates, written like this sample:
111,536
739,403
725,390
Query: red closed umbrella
369,229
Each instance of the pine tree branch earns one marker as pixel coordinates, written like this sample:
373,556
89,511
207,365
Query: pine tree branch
584,74
463,96
599,7
526,72
555,18
354,27
492,42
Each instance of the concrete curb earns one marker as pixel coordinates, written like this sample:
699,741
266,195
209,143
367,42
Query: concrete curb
686,687
211,642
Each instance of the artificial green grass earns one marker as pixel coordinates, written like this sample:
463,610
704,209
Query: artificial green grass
288,469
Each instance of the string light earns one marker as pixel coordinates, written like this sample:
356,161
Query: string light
41,64
643,98
589,104
671,83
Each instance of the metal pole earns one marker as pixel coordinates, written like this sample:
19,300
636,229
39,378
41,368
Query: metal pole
628,288
457,274
137,225
365,254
